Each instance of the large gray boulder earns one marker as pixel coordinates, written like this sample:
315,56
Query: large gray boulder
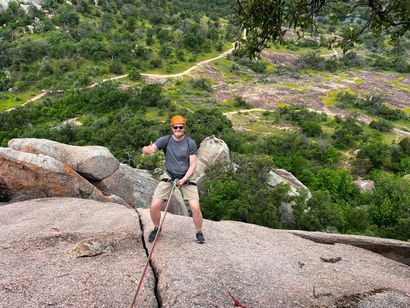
281,176
136,187
66,252
211,151
263,267
92,162
28,176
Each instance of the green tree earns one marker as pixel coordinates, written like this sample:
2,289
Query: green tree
4,81
242,193
377,152
208,122
320,214
389,206
66,16
265,20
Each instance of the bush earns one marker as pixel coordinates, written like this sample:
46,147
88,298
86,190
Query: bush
135,75
150,162
4,82
351,59
242,193
389,206
208,122
320,214
308,43
116,68
311,129
377,152
202,84
382,125
345,99
239,102
404,145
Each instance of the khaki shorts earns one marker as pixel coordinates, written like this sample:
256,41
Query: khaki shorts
189,192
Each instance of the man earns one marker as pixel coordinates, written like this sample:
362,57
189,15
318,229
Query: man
180,162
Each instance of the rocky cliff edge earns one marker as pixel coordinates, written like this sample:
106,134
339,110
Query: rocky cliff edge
84,253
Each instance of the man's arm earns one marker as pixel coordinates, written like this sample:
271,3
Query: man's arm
149,149
192,166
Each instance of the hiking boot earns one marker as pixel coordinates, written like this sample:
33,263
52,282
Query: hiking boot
200,238
152,235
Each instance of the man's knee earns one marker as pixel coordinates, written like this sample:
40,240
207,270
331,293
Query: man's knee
156,203
194,204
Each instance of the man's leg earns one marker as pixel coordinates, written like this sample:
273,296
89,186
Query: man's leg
155,211
196,214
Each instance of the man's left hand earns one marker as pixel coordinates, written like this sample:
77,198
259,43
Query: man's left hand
181,182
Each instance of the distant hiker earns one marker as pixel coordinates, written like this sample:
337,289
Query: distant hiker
180,162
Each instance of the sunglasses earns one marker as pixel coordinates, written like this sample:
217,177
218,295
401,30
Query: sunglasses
178,127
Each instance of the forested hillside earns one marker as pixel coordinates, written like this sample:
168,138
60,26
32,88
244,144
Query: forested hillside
72,44
328,117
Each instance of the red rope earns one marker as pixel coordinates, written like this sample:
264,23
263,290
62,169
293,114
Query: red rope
153,246
236,302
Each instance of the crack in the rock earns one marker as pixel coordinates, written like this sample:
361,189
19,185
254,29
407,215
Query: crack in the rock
154,271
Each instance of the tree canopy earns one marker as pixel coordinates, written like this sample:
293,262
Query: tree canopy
268,20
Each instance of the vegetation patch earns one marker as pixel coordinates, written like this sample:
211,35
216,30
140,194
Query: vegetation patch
330,98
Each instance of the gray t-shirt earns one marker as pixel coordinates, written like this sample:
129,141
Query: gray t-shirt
177,154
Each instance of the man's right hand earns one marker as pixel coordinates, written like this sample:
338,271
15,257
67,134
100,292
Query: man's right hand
149,149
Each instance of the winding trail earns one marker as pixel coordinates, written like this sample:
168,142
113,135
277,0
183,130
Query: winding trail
199,64
156,76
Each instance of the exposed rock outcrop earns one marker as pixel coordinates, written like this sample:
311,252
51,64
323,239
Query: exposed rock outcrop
92,162
263,267
364,186
278,176
42,240
27,176
82,253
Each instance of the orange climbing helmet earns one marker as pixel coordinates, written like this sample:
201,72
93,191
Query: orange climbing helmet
177,119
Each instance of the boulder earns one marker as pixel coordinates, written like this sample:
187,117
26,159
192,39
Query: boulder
262,267
28,176
92,162
68,252
277,176
364,185
136,187
211,151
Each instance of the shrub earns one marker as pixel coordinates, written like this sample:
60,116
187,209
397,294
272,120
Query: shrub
116,68
308,43
404,145
135,75
150,162
239,102
242,193
345,99
311,129
202,84
382,125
